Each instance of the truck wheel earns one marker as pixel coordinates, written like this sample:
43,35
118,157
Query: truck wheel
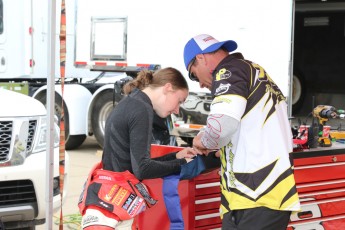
298,92
71,141
103,105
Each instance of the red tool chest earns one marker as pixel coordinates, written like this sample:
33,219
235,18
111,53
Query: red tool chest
320,179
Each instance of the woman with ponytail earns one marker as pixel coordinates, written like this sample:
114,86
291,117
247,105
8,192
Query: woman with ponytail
128,137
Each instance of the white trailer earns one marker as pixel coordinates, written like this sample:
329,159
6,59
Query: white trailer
110,39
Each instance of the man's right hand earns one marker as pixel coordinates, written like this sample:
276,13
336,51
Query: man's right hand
199,146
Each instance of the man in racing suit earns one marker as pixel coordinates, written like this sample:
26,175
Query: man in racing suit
249,125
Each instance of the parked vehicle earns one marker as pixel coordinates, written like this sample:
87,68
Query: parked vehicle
23,152
109,39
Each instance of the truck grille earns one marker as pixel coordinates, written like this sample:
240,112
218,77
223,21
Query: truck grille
5,139
6,128
19,192
32,129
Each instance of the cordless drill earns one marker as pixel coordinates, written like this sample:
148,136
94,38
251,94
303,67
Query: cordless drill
323,113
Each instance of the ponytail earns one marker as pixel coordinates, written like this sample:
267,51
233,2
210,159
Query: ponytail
156,79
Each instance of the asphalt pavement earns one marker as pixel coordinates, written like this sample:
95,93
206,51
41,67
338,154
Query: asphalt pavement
81,162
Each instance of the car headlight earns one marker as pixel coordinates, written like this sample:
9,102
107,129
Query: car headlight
42,133
191,102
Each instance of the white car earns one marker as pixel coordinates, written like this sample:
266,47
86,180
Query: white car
23,152
192,116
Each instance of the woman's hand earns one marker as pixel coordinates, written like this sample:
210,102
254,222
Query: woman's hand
187,153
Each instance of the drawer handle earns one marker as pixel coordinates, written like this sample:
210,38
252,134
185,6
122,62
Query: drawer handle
304,215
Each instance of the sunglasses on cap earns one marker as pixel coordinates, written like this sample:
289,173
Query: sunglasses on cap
191,74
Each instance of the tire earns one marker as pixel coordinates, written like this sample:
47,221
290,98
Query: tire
298,92
103,106
71,141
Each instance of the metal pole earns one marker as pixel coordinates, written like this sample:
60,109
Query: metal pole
50,111
291,61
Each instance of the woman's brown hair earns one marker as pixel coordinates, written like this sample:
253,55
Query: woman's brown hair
156,79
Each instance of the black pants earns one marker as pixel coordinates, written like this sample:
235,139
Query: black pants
261,218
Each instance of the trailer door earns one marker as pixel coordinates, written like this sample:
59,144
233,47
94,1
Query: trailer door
319,54
15,39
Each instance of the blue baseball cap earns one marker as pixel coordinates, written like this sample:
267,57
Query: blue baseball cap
204,43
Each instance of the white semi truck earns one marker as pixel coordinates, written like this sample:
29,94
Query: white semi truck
111,39
105,36
23,157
